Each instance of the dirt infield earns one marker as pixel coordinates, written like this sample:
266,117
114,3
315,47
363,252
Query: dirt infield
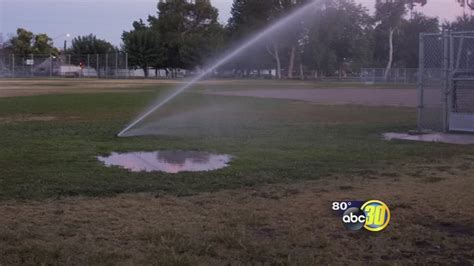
336,96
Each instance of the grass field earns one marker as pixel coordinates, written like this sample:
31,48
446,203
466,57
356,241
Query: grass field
292,158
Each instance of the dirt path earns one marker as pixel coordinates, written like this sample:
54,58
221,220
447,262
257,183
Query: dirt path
29,87
337,96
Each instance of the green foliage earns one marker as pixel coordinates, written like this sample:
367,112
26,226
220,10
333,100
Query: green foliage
21,44
26,43
340,36
90,44
143,46
43,45
183,35
462,23
408,38
190,32
247,16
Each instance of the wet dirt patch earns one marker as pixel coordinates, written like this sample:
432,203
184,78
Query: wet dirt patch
167,161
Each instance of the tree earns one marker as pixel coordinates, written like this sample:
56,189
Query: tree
466,3
142,45
248,17
462,23
25,43
389,14
189,32
296,37
408,41
43,45
90,44
340,37
21,44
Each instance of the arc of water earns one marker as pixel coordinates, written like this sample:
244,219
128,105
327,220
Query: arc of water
259,36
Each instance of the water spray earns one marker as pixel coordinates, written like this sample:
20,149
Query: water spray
259,36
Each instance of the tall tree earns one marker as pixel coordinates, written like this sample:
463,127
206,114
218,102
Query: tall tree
389,15
189,32
143,46
248,17
22,43
90,44
462,23
340,37
408,40
43,45
25,42
466,3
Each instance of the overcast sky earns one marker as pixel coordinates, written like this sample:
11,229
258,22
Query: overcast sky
108,18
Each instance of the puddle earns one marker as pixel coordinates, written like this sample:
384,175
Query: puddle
167,161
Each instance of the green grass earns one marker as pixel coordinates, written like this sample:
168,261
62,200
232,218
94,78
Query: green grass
273,141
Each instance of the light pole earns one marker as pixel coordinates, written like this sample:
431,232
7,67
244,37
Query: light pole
67,35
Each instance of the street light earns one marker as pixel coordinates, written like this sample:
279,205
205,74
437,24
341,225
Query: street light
67,35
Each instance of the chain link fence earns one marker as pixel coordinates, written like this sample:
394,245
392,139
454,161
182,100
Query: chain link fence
431,82
112,65
461,87
395,75
446,85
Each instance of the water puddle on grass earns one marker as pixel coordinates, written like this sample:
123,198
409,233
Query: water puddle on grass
167,161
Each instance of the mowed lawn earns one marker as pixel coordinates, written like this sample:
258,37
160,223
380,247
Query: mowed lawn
49,144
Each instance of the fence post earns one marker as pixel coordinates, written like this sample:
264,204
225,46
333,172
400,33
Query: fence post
31,66
106,64
97,65
421,72
13,65
452,71
50,65
126,65
446,40
116,64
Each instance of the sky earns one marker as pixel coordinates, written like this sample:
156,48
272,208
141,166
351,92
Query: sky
107,19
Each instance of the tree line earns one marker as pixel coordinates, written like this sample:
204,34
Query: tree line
342,36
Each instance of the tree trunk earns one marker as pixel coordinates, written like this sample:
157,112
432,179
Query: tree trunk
390,54
291,63
276,54
301,71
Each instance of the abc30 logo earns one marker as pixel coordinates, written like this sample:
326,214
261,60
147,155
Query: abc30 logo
373,215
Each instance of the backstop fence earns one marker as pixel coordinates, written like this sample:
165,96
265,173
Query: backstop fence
446,82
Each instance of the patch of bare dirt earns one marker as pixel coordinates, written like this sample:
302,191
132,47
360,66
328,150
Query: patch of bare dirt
26,87
336,96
